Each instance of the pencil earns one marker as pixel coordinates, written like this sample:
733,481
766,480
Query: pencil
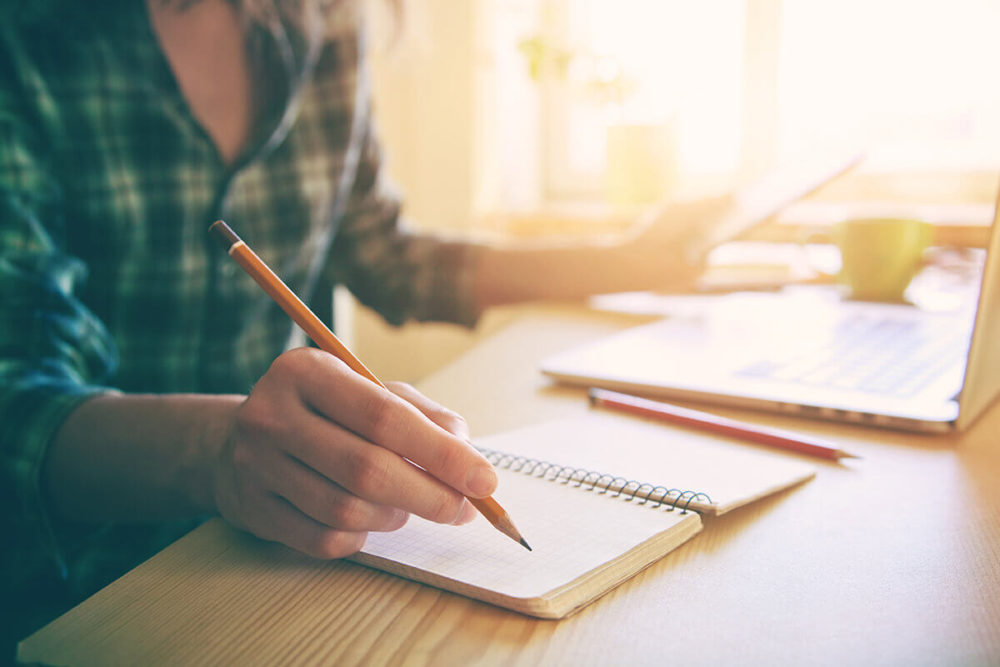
328,341
715,424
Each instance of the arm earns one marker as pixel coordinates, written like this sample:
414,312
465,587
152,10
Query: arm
406,276
314,457
569,272
54,354
136,458
650,256
295,462
403,275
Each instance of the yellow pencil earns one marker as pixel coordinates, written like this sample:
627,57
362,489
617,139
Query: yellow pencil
327,341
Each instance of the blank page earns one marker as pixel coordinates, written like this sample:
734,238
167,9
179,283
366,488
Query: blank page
732,473
576,536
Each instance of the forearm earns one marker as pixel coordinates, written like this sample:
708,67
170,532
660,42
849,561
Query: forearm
662,251
515,274
137,457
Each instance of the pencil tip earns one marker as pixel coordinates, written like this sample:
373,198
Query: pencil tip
845,455
525,545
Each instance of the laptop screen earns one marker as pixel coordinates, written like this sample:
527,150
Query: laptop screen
982,377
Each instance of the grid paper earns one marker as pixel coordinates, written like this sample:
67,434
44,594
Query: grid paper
571,530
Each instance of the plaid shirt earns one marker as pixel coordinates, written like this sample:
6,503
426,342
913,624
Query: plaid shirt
109,281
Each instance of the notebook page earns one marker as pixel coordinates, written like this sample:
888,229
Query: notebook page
572,531
731,472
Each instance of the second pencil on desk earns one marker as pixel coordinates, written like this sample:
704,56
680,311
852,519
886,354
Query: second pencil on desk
713,423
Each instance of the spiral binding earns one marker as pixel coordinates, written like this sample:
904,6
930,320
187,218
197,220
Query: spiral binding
629,489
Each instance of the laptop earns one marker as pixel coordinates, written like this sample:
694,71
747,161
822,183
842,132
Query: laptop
887,365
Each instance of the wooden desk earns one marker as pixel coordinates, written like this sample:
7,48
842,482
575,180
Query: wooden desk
894,560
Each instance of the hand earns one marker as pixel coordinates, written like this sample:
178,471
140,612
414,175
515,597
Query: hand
661,242
318,455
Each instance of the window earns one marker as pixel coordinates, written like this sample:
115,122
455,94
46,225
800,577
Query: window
582,99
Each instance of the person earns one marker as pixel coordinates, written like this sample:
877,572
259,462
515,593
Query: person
146,381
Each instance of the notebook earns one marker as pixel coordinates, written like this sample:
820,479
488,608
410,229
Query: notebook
589,532
599,498
880,364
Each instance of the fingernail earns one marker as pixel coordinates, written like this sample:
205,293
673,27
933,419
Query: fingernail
482,481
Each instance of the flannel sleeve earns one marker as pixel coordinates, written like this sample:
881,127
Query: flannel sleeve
54,353
401,274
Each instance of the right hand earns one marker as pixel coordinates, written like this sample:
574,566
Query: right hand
318,455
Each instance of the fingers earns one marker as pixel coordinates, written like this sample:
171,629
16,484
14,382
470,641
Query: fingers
447,419
328,503
372,473
343,397
276,520
318,456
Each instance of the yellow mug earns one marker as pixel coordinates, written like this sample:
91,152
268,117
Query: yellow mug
880,256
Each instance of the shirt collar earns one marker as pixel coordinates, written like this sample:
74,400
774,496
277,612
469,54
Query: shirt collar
283,58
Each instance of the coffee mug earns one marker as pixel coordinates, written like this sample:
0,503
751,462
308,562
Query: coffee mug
880,256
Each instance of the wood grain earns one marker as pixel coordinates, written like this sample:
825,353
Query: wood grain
894,559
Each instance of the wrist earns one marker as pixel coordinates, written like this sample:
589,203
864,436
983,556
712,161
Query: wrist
130,457
214,430
646,264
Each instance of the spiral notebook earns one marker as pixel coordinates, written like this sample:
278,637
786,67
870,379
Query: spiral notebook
598,497
590,532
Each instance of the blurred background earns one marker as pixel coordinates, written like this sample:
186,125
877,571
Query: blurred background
524,119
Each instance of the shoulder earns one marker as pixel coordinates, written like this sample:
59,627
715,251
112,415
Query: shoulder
48,33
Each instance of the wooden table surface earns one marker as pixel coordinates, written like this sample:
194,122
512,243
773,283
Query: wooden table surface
893,559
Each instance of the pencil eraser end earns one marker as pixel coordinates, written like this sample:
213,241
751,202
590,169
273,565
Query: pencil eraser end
223,234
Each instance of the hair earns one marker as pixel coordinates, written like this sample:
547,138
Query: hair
75,18
300,13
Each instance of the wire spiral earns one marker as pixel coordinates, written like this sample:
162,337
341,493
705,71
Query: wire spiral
628,489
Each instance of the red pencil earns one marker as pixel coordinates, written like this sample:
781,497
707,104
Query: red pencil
709,422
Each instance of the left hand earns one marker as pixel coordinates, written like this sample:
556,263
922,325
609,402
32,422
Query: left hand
660,243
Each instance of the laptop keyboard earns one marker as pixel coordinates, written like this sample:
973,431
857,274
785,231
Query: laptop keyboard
895,357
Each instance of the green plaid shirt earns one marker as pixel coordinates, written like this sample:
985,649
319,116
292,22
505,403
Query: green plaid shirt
108,279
